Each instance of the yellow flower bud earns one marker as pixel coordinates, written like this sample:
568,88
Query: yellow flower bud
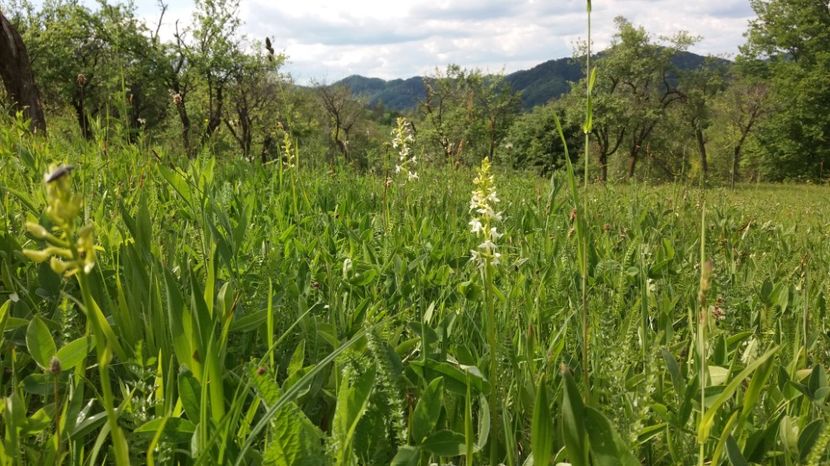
58,266
37,230
36,256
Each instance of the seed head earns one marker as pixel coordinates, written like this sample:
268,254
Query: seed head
55,366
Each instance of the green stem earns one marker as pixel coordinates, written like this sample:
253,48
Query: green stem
586,332
104,352
492,343
702,321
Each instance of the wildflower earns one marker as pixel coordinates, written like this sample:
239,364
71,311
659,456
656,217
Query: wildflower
66,251
402,140
347,267
289,151
483,206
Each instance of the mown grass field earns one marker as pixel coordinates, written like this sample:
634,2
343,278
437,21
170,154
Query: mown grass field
240,314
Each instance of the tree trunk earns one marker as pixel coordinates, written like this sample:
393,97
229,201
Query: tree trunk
701,146
179,102
269,149
603,167
215,118
18,79
79,104
632,161
736,161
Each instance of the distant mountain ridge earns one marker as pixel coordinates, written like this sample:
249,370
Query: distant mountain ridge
538,85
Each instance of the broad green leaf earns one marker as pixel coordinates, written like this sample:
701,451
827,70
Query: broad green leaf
444,443
674,371
265,384
293,440
756,389
709,416
297,359
817,384
74,353
190,396
718,375
808,438
407,456
427,410
178,430
455,376
483,423
733,452
40,343
352,401
607,447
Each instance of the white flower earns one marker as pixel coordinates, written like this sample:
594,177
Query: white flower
402,140
482,205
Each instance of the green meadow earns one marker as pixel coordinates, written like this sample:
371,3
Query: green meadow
235,314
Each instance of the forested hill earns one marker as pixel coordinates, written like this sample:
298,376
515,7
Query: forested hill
538,85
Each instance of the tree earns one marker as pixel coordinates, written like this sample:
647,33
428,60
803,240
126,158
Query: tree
610,122
17,76
343,111
498,105
699,88
94,61
636,83
533,140
178,74
255,87
447,110
744,105
466,112
789,45
214,54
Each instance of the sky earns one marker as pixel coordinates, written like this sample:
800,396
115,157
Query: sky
327,40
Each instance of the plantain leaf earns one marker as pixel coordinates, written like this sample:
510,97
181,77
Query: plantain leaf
407,456
427,410
444,443
40,343
73,353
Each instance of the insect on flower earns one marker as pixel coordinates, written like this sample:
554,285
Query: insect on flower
58,173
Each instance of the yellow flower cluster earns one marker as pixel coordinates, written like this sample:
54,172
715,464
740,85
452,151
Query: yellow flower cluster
289,151
67,251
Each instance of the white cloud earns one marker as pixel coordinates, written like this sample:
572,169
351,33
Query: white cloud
327,40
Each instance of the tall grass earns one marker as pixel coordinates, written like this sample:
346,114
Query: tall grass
242,314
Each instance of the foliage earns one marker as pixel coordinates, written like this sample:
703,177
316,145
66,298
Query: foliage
789,46
238,313
466,114
532,142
